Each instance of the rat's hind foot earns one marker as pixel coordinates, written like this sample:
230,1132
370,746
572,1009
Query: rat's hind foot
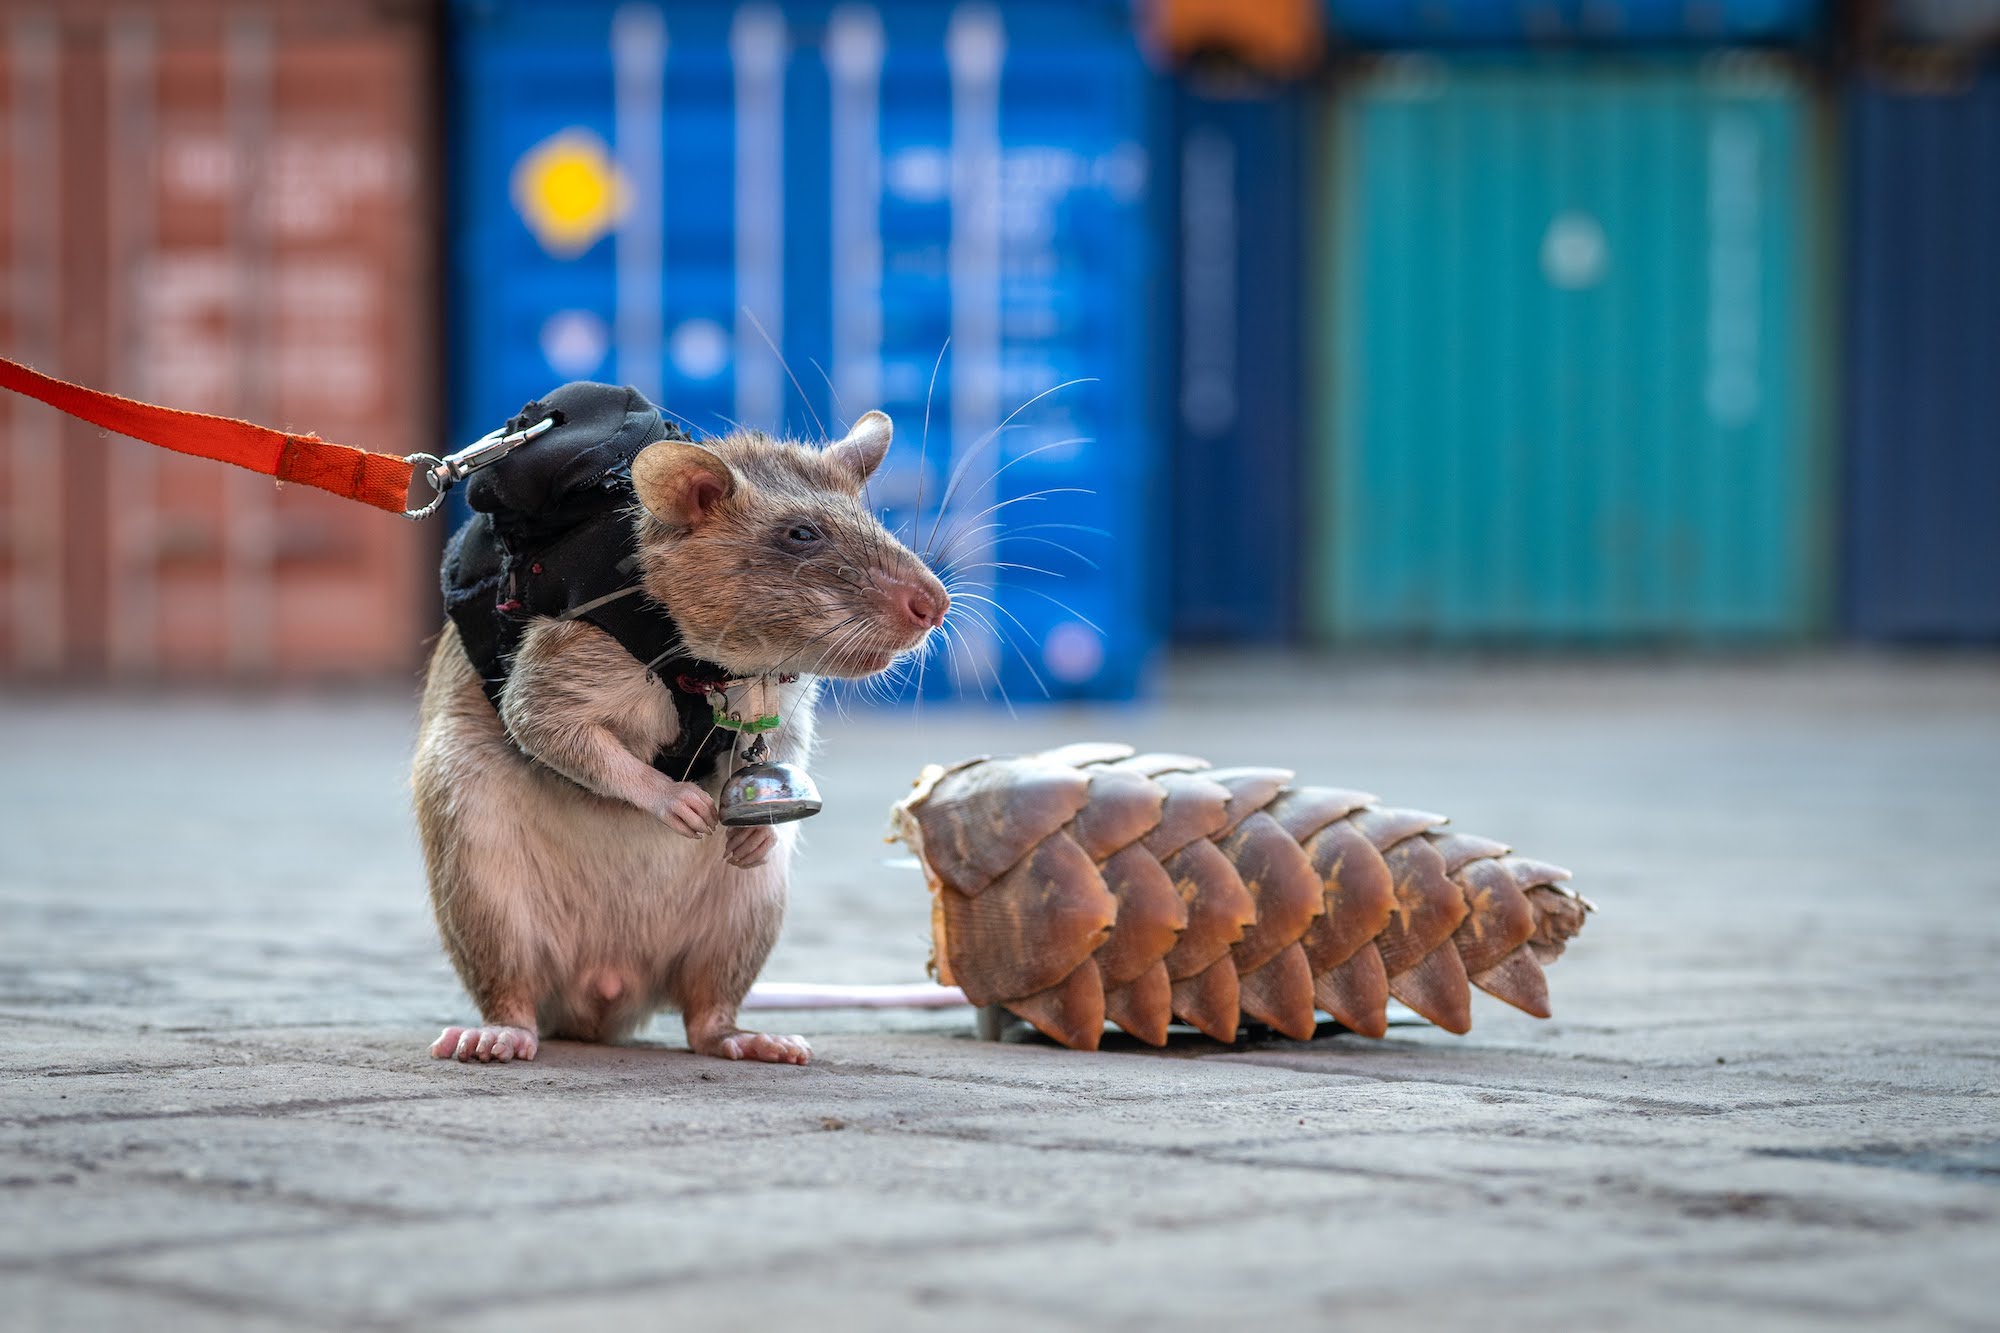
493,1042
735,1044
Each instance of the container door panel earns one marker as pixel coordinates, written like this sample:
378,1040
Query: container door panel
1923,468
1569,358
234,223
1500,23
1237,392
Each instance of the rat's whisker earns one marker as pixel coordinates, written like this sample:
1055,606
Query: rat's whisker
981,667
693,429
1042,494
968,586
1065,548
1038,449
1006,564
948,555
957,476
789,660
924,443
758,325
1023,499
852,621
694,759
957,639
887,685
1028,633
807,564
995,475
839,409
1059,604
999,632
956,583
854,636
1063,527
995,433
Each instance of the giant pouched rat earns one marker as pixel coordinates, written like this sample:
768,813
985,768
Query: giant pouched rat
579,889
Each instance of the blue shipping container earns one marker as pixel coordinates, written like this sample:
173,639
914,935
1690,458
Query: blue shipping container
944,210
1923,363
1419,23
1237,394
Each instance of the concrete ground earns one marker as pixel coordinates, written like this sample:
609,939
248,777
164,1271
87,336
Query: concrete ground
1768,1099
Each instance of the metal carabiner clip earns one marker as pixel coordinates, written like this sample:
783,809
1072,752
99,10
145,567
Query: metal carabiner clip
445,473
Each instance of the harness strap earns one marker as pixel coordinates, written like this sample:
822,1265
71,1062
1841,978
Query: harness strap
382,480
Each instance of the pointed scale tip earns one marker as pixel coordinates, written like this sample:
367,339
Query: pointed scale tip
1438,989
1143,1006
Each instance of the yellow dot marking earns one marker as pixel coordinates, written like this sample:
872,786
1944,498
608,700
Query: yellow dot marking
569,192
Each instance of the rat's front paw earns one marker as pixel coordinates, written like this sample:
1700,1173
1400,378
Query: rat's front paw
749,844
687,810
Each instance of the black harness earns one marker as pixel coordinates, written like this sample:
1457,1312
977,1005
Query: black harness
552,535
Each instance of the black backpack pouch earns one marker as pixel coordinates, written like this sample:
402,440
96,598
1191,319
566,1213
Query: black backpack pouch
551,534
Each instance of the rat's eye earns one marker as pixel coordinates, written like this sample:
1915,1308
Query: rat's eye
801,536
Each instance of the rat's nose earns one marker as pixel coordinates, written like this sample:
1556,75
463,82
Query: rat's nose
925,609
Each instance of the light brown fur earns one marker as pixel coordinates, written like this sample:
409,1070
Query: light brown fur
577,889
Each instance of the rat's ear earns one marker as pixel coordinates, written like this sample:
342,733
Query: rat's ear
864,448
681,483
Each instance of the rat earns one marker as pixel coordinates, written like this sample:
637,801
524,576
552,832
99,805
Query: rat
577,888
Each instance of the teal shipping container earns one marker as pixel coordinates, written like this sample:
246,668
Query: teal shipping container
1571,357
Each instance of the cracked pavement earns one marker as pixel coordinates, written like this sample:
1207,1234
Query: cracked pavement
1768,1096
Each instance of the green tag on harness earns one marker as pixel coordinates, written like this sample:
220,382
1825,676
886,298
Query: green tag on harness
767,722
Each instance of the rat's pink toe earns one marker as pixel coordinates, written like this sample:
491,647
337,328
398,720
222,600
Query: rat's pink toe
494,1042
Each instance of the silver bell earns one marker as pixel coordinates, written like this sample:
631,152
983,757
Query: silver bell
763,791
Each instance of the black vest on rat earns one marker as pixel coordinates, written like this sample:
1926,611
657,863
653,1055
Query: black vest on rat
551,535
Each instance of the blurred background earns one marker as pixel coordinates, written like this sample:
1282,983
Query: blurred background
1549,324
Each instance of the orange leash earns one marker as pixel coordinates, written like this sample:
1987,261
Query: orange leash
382,480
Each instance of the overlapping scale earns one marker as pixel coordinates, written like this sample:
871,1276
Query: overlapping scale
1091,884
